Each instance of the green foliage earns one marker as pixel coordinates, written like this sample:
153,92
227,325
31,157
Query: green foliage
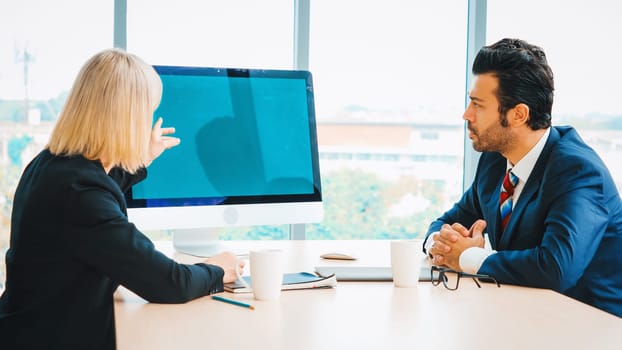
255,233
12,111
9,175
16,147
353,205
357,206
52,107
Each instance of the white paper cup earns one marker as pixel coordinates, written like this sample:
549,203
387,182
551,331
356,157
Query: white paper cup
266,273
406,258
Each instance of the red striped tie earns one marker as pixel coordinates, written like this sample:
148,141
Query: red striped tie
505,201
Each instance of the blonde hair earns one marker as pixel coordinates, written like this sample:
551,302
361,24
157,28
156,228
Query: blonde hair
109,111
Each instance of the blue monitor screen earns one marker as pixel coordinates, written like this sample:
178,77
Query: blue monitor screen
246,136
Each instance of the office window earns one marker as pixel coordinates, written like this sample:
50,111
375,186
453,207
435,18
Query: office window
234,34
42,47
389,86
582,43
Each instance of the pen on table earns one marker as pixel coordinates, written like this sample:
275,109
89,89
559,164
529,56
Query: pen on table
234,302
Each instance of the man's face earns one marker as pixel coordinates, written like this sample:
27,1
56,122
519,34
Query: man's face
483,117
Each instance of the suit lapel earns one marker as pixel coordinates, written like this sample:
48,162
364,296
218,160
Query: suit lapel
529,192
526,197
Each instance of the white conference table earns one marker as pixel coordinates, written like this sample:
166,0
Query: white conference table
365,315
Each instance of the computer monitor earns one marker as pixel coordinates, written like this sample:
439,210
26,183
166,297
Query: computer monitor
248,155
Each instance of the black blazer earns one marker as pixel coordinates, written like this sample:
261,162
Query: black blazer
71,246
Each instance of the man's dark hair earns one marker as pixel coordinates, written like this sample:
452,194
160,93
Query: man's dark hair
524,77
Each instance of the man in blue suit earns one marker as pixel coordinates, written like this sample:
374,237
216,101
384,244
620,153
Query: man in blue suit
548,204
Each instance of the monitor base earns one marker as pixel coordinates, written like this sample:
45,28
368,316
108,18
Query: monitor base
201,242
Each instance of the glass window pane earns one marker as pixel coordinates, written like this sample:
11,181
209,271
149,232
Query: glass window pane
389,86
235,33
42,47
582,44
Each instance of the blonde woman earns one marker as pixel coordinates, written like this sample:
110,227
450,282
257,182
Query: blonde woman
71,243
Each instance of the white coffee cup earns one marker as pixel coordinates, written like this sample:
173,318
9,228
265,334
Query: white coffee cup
406,258
267,273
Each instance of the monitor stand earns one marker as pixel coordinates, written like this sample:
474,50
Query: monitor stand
201,242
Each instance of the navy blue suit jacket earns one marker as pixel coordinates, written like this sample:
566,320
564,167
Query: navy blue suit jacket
565,232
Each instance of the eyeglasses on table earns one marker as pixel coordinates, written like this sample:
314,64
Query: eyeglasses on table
451,278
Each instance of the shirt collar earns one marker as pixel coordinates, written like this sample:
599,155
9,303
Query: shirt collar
522,169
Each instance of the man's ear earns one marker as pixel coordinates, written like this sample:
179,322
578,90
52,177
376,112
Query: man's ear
519,115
